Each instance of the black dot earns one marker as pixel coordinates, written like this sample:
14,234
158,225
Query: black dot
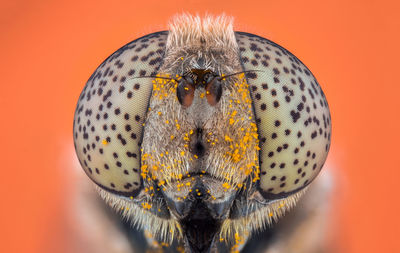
270,154
276,104
128,128
282,165
283,178
296,161
282,185
126,116
265,86
112,185
258,96
274,135
263,107
118,164
117,111
129,95
277,123
106,166
272,165
273,92
137,117
273,178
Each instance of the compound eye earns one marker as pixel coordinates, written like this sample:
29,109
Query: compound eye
213,91
185,92
109,117
292,117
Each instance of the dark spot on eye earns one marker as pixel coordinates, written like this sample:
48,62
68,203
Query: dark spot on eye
276,80
296,181
263,107
118,164
296,161
137,118
137,86
296,150
117,111
112,185
265,86
295,116
258,96
277,123
251,75
282,165
272,165
106,166
273,178
274,135
254,62
283,178
271,154
129,95
273,92
282,185
287,131
113,127
128,128
276,104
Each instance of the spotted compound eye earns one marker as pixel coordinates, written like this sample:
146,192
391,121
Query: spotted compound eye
111,111
292,116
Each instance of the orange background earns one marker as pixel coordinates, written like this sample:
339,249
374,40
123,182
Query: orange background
50,48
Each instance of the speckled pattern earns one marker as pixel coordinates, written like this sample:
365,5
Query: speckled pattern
292,116
111,110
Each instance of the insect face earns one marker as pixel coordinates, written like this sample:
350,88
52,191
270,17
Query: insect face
202,131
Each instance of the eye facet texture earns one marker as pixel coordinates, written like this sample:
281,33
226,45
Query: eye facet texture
111,111
292,116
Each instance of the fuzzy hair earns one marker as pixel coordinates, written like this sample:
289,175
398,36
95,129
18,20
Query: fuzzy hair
212,32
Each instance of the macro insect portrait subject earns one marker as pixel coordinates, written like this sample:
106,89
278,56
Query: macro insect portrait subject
200,137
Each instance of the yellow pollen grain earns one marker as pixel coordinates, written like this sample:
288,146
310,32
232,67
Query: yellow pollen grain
167,122
105,142
226,185
159,113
